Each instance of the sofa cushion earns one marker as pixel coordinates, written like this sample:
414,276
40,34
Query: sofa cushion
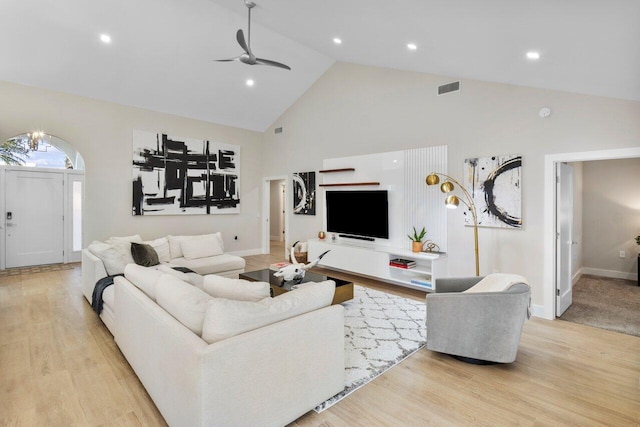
212,265
496,282
186,303
193,278
108,296
237,289
112,256
176,241
143,278
161,246
201,248
144,255
225,318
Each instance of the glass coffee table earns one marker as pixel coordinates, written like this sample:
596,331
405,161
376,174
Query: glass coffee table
344,288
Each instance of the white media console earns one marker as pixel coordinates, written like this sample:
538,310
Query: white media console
369,259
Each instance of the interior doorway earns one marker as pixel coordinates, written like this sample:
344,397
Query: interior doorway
41,200
275,213
552,287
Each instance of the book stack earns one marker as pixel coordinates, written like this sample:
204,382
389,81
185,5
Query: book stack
421,282
278,265
402,263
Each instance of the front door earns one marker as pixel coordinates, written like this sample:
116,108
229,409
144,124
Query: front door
34,218
564,237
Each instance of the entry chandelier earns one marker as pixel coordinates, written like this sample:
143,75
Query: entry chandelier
452,201
34,139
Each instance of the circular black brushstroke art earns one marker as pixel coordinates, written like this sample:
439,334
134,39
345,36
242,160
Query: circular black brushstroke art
489,197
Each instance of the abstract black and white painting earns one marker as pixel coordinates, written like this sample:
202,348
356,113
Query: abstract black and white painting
184,176
304,193
495,183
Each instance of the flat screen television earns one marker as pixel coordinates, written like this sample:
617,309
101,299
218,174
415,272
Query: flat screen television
358,213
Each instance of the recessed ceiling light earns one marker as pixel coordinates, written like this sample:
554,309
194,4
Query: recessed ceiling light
250,83
533,55
411,46
336,40
105,38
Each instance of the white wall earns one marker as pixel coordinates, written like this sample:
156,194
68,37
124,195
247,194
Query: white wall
611,216
355,109
276,229
102,133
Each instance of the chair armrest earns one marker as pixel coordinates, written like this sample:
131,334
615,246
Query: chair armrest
455,284
92,271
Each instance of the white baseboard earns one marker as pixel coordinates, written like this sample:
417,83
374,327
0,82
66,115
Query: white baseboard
609,273
577,276
247,252
538,311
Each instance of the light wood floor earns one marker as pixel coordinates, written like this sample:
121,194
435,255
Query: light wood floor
59,366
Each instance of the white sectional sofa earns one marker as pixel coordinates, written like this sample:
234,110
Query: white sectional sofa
116,252
267,376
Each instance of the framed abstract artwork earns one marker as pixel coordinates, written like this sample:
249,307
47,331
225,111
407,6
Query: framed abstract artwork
495,184
304,193
184,176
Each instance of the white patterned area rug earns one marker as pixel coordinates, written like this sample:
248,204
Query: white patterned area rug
381,330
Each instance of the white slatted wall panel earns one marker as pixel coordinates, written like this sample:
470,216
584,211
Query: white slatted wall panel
424,205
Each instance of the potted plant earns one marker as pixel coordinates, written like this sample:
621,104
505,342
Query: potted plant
416,239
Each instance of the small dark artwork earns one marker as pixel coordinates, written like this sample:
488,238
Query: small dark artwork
183,176
304,193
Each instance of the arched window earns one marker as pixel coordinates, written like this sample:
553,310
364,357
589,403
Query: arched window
39,149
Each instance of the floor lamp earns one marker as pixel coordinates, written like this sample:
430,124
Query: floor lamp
452,201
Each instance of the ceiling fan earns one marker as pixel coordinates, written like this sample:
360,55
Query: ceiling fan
248,57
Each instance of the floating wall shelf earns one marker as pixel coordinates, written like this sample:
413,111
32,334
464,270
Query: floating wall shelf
345,184
337,170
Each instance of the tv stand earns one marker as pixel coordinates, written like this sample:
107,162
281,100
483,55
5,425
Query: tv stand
348,236
373,261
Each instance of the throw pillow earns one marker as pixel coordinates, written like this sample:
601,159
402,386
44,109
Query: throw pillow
112,256
144,255
236,289
135,238
225,318
161,246
143,278
201,247
186,303
176,241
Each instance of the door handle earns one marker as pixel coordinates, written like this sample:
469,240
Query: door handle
573,242
9,224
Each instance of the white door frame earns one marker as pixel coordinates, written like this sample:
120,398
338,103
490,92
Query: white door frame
549,251
266,213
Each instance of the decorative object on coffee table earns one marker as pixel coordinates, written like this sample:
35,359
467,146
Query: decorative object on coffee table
452,201
296,271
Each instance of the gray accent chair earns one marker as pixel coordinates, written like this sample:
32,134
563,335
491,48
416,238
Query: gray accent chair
477,327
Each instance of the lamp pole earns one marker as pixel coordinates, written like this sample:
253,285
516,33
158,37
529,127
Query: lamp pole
433,179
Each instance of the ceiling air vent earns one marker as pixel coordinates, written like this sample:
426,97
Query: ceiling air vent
450,87
278,130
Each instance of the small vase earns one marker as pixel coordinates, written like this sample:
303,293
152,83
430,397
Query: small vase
416,246
321,235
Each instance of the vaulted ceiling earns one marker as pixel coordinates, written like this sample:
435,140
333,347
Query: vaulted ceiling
162,52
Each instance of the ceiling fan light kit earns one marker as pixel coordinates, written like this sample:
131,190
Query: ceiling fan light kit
248,57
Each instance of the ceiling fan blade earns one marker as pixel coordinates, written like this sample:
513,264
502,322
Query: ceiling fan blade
226,60
241,42
272,63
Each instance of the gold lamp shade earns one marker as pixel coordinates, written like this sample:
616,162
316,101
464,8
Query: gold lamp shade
446,187
452,201
433,179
